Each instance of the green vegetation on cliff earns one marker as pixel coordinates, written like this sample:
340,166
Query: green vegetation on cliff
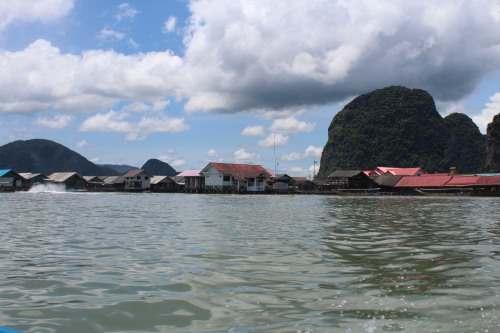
493,144
400,127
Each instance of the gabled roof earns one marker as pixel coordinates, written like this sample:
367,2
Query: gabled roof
387,180
28,176
190,173
61,177
93,179
160,179
177,179
133,173
427,181
282,176
113,180
346,173
397,171
239,171
301,179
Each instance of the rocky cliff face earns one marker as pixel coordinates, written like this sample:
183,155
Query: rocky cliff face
400,127
493,145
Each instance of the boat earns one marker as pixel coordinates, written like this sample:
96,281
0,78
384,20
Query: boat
444,192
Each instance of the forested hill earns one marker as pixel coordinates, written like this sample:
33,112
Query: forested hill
401,127
159,168
47,157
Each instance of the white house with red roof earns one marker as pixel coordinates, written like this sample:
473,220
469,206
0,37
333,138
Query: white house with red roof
227,177
137,180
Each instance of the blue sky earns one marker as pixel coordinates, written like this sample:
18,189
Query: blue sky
238,81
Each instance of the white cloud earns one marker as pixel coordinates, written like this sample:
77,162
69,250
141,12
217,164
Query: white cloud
82,143
107,34
276,139
125,11
172,159
254,131
291,126
243,156
57,122
169,25
292,157
113,121
212,153
258,55
311,152
41,78
243,55
95,160
32,10
486,116
178,163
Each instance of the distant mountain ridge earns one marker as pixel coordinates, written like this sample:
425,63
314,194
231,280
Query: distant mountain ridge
120,168
400,127
47,157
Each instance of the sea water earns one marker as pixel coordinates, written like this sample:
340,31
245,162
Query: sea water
115,262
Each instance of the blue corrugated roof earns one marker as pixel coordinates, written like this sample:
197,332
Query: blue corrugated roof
3,172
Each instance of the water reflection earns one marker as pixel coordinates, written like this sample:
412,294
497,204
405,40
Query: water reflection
415,259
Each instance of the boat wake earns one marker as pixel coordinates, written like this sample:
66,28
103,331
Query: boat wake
48,188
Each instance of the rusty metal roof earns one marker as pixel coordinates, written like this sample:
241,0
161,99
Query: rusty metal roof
240,171
427,181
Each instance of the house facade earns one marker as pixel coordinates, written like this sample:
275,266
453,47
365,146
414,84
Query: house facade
227,177
192,179
9,179
137,180
163,184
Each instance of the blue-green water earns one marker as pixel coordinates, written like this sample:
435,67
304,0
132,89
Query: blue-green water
98,262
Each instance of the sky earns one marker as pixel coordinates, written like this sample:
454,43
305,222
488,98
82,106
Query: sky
238,81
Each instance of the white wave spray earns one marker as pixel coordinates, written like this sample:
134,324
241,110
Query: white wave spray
48,188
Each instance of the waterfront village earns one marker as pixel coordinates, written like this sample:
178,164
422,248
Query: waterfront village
246,178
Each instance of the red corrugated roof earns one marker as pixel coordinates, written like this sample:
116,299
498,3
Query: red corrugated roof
427,181
240,171
460,181
488,180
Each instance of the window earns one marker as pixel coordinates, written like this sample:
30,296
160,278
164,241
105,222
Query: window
138,177
227,178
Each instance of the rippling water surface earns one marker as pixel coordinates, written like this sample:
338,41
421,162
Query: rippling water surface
95,262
